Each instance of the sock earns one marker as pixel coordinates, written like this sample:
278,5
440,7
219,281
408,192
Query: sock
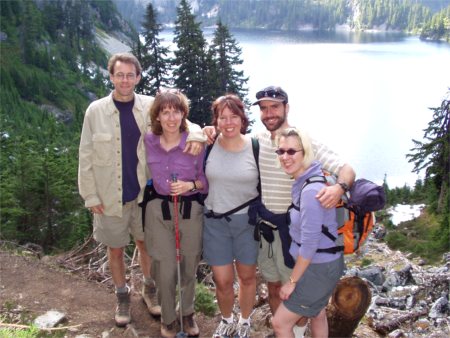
244,321
148,281
229,320
299,331
122,289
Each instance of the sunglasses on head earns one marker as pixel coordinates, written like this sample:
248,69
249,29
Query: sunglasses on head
289,151
269,93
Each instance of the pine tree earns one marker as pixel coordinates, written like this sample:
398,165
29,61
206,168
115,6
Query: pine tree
226,55
154,60
191,64
433,154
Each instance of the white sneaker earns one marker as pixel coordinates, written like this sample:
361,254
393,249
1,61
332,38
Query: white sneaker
299,331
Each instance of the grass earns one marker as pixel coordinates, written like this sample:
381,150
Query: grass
420,237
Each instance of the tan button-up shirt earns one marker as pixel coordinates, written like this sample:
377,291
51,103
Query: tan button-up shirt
100,157
100,153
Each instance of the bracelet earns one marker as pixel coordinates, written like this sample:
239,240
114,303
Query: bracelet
292,280
344,186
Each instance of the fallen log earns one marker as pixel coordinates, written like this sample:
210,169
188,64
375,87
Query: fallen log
349,303
385,327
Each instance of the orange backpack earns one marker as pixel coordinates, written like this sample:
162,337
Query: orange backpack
354,213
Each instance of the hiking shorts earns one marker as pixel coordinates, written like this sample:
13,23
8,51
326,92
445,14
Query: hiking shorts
115,231
224,242
271,261
313,291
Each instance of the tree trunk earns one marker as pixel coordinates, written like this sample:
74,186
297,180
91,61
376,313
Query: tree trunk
349,302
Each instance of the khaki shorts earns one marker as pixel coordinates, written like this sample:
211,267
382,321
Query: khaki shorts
271,261
115,231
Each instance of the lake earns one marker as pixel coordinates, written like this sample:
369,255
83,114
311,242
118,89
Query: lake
365,95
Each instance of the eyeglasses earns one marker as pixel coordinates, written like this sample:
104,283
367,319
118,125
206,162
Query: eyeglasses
290,151
270,93
129,76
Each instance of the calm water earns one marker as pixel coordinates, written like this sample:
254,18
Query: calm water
364,95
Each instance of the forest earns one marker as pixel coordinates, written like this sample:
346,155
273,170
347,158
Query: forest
52,67
429,19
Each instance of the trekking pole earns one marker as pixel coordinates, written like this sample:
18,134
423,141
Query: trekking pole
178,257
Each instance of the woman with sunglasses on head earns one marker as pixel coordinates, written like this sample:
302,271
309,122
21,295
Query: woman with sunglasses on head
178,180
228,243
315,274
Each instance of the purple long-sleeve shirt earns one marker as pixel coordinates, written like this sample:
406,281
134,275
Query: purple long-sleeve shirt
306,224
163,164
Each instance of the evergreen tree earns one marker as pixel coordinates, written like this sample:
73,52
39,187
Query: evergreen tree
226,55
191,64
433,154
154,60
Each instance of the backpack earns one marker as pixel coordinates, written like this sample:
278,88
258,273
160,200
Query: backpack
355,213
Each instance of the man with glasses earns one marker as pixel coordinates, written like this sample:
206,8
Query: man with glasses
112,175
276,187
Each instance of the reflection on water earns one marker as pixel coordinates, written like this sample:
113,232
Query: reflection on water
317,37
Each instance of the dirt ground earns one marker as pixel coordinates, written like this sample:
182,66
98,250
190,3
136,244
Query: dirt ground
30,287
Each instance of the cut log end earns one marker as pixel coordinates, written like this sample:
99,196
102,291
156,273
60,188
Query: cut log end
350,300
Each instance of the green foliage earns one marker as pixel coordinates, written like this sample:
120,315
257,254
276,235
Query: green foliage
191,64
425,236
403,15
32,332
438,27
153,56
433,154
44,83
204,300
366,262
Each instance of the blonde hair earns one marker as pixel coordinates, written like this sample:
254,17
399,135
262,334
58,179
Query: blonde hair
172,98
303,139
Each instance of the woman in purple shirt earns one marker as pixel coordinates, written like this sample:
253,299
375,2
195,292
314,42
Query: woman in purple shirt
174,172
315,274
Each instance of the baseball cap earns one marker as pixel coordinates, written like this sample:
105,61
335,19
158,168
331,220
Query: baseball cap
271,93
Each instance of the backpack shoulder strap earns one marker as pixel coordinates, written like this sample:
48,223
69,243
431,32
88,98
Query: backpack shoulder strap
312,179
255,148
207,152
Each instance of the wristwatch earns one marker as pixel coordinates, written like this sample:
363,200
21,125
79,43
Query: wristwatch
195,186
344,186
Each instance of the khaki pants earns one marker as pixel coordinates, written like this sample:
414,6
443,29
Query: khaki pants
160,243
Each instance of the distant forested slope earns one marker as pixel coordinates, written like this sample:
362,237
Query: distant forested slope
411,16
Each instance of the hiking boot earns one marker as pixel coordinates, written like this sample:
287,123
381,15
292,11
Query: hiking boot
123,313
151,299
190,327
169,331
242,330
224,330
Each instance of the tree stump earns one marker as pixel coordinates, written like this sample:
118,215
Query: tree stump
349,302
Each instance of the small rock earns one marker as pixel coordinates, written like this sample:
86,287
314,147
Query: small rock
397,334
422,324
49,319
373,274
439,309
